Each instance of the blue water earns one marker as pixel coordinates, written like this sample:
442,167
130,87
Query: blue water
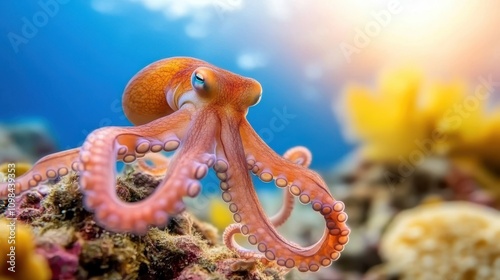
71,70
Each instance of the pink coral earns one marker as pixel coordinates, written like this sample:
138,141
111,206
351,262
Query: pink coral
63,262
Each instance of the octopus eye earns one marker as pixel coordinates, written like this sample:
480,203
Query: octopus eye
255,100
198,81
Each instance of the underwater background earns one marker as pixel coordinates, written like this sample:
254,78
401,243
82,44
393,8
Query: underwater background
75,63
396,100
73,71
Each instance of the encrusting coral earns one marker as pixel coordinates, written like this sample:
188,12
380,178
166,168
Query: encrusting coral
18,259
443,240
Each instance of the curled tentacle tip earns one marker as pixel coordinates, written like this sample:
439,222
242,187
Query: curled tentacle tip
299,155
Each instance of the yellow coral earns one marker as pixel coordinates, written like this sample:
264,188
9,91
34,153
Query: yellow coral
18,259
407,119
19,168
389,122
477,149
454,240
219,214
383,120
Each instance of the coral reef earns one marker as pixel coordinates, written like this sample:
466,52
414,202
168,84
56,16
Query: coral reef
18,259
418,142
75,246
372,200
453,240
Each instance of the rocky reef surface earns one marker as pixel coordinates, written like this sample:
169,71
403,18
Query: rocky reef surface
75,247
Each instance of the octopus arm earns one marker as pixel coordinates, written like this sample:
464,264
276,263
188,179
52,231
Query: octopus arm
130,148
301,182
158,167
299,155
230,242
189,164
48,167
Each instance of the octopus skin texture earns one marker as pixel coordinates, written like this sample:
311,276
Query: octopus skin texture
199,111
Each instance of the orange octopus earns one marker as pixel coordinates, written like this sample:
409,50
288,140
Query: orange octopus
198,110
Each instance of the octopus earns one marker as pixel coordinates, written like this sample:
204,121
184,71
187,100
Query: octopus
198,112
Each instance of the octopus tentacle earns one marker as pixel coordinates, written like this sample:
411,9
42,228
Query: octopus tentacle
48,167
228,239
160,164
309,187
257,226
130,148
163,134
299,155
285,211
190,164
269,165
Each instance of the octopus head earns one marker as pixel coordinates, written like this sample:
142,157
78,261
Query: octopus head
166,85
215,87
